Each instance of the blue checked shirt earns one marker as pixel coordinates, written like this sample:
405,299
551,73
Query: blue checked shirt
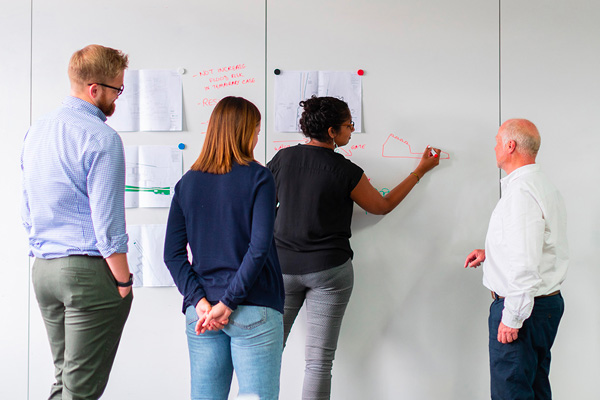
73,172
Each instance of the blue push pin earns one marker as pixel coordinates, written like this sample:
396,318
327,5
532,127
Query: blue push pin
181,146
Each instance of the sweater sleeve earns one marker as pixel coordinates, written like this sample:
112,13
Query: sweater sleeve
176,255
261,240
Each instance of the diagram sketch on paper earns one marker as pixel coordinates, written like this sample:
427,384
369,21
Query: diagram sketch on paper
291,87
151,175
153,101
145,256
395,147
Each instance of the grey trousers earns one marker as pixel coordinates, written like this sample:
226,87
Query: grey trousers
84,316
326,295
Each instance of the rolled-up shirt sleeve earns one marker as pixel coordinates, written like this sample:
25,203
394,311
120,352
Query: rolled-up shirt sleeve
523,227
106,192
25,212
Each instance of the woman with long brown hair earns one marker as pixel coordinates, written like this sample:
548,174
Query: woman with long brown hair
224,209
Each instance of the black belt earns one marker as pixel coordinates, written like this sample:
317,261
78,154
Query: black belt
496,297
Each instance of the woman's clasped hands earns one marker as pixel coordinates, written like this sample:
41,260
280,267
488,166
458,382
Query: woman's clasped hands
211,318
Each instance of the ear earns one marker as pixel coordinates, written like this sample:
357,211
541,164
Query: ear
331,132
93,91
511,146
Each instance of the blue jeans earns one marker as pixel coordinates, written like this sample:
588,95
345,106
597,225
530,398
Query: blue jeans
251,344
519,370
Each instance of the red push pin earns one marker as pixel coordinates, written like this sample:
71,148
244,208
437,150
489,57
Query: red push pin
360,72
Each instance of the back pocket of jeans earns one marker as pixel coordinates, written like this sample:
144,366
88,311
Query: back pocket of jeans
248,317
191,316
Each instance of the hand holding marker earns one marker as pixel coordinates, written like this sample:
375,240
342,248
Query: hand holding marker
433,152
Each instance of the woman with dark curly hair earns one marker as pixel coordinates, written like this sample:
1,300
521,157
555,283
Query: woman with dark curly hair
316,190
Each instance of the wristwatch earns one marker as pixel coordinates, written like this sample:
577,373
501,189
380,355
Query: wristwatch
126,284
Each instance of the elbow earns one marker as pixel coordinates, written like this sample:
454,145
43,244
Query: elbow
380,211
379,207
385,208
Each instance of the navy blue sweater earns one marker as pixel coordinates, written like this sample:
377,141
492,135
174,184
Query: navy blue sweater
228,222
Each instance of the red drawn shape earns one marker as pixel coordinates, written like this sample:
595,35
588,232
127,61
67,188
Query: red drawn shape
347,153
395,147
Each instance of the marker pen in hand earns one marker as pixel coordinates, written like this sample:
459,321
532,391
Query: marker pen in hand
432,152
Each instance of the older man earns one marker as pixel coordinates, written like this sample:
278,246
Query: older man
73,173
526,259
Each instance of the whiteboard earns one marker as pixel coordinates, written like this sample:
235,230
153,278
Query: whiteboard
436,73
430,77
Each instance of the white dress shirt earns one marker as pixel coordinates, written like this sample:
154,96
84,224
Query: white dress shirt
526,245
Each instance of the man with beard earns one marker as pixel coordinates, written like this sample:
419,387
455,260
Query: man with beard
73,171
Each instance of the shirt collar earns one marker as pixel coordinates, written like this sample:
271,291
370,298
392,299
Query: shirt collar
517,173
79,104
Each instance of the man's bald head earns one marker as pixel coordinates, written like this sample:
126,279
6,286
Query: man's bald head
524,133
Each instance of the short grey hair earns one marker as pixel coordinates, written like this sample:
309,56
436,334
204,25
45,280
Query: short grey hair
524,133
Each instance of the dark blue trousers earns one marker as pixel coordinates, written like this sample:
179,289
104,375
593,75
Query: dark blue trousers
519,370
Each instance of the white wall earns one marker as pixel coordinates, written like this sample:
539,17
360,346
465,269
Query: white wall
550,67
436,72
15,37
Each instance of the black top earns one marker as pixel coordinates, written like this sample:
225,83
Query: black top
227,220
312,228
